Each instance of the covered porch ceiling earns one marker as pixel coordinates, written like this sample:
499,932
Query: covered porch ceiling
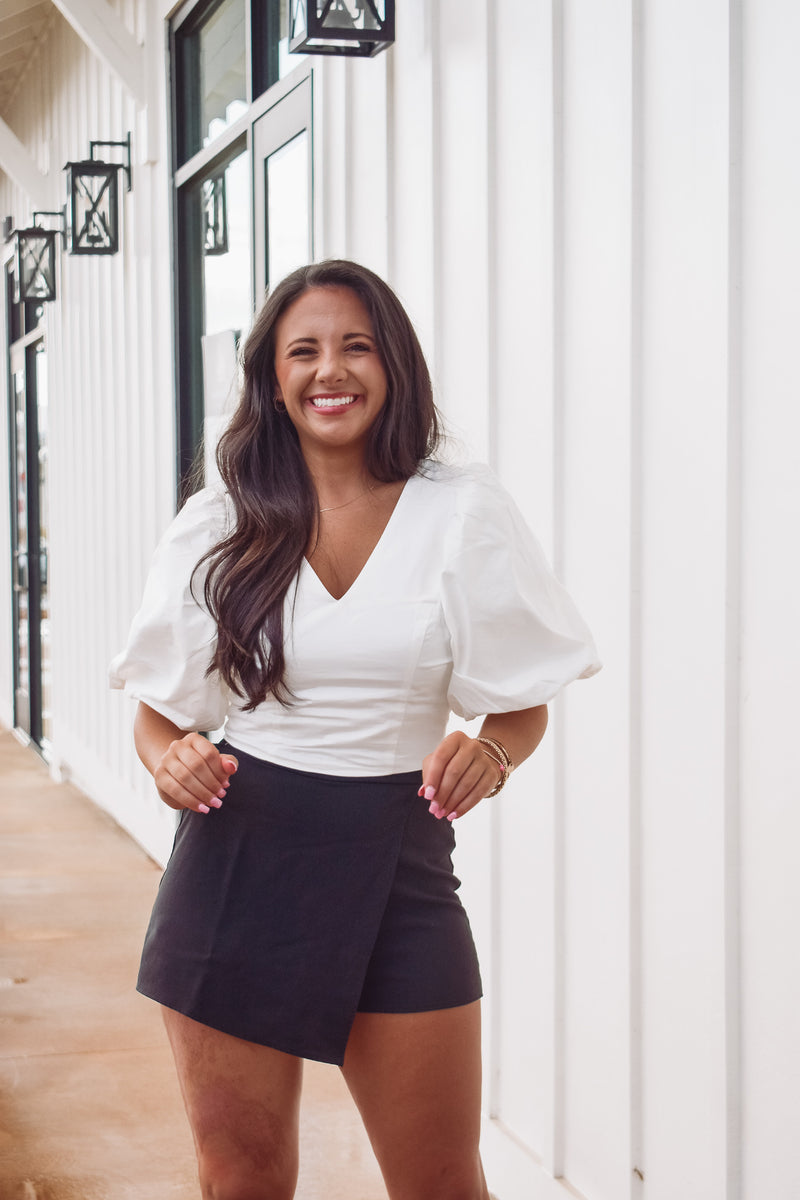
22,24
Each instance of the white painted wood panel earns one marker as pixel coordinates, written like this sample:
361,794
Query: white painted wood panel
332,148
412,197
593,548
460,116
770,749
521,371
367,206
685,305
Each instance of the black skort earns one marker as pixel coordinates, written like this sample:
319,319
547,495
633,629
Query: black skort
304,899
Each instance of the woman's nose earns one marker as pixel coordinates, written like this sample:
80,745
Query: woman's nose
330,367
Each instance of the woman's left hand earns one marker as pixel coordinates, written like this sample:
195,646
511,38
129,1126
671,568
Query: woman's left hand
457,775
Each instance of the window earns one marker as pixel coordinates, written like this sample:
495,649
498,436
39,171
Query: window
28,446
230,67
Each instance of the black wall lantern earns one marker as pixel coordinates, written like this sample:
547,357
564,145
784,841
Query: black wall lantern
35,273
93,201
356,27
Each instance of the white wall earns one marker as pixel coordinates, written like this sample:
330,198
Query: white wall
109,347
591,215
589,208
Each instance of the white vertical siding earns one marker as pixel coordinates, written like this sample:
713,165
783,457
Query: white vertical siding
770,580
526,1047
590,212
685,395
412,147
593,532
590,219
111,421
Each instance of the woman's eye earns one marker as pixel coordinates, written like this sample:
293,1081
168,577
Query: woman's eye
360,346
300,352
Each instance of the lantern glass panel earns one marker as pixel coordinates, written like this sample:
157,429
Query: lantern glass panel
94,208
36,265
354,27
350,14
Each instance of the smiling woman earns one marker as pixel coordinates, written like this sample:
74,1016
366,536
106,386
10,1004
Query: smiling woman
332,605
332,383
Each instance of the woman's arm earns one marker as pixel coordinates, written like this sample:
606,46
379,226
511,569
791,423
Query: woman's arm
460,771
188,770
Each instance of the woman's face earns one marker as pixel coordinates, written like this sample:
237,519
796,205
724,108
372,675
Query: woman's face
330,374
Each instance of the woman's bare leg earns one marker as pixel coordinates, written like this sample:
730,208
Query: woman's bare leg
416,1078
242,1101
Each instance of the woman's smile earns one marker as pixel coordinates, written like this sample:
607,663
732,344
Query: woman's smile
333,403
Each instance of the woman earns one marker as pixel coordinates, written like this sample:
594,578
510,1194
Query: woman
331,604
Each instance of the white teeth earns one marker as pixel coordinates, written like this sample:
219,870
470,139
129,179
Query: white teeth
331,401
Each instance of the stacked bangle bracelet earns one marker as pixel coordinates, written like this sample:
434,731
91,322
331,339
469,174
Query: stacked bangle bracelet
497,753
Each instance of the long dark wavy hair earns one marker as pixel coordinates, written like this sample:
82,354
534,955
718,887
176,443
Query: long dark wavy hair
275,503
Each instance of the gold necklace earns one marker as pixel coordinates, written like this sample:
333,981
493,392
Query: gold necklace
334,507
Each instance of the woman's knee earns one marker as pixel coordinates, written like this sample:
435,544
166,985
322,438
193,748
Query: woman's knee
254,1157
226,1174
242,1101
446,1180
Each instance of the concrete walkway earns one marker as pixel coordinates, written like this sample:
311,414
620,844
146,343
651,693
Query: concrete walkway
89,1106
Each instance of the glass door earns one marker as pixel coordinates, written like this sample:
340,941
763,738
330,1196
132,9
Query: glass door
31,609
282,174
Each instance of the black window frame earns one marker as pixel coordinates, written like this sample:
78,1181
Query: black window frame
262,18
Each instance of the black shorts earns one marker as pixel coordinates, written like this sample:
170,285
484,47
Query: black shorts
307,898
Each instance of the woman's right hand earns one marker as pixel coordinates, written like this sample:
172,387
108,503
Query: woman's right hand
192,773
188,770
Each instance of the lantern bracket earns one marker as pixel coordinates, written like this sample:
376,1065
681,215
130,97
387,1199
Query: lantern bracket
62,228
125,166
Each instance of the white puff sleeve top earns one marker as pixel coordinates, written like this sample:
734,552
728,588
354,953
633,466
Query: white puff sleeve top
171,640
455,610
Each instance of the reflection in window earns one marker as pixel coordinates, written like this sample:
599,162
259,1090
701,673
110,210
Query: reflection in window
210,50
215,216
222,67
21,572
226,274
44,582
287,208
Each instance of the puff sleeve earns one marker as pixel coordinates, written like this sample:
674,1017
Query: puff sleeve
515,633
171,640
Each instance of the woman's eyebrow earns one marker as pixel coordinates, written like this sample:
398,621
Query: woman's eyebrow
312,340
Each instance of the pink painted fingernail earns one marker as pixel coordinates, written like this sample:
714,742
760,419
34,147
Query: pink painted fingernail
203,808
452,816
215,803
430,793
434,809
419,793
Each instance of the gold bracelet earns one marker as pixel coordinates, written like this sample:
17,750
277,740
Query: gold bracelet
499,749
498,754
501,783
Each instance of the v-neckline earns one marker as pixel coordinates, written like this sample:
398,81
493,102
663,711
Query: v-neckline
372,554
